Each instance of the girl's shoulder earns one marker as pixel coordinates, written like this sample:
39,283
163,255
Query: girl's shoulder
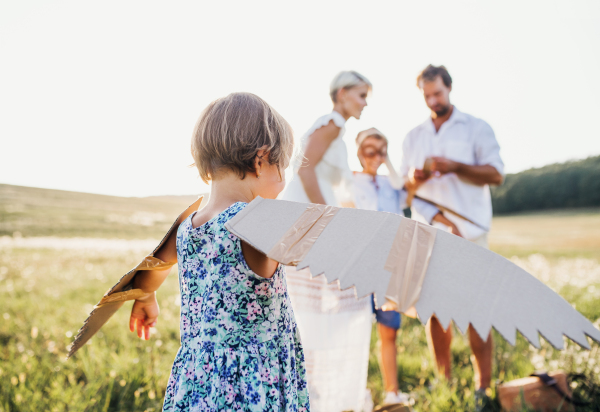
384,182
216,223
229,213
366,178
383,179
361,178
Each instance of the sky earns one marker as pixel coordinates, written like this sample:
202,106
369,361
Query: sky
102,97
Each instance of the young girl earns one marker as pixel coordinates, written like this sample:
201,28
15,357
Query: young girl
375,192
240,347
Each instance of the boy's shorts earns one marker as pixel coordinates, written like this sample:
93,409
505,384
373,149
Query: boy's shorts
389,318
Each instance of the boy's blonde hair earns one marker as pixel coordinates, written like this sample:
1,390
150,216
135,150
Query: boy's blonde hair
232,129
347,80
372,132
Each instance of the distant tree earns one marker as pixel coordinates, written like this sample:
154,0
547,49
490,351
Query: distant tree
559,185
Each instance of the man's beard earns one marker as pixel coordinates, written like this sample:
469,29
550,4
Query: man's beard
443,111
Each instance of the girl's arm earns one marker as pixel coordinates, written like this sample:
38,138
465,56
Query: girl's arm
258,261
318,143
145,310
396,180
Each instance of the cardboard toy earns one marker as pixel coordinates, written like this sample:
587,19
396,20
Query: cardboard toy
409,264
397,182
123,290
444,209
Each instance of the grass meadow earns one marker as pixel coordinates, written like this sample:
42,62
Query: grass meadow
60,251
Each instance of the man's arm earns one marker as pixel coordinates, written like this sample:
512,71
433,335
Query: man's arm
489,167
479,175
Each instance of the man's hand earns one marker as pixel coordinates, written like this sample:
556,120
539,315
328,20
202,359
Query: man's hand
443,165
476,174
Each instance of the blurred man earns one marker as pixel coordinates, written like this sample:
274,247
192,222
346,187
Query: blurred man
464,159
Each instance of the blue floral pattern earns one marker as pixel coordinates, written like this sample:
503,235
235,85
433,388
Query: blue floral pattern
240,346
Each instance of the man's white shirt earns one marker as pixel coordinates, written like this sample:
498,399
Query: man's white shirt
465,139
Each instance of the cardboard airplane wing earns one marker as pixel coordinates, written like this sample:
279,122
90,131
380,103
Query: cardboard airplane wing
123,290
412,266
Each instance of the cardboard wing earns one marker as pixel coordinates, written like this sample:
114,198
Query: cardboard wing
123,290
412,265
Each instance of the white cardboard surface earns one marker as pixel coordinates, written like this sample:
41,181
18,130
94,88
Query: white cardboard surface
464,282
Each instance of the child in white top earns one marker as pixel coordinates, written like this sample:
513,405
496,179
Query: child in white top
375,192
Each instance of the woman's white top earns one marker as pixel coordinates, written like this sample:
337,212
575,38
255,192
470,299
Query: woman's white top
333,172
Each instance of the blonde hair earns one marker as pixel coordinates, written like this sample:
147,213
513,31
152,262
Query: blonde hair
372,132
362,136
232,129
347,80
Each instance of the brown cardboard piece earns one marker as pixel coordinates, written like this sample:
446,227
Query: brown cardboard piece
463,282
123,289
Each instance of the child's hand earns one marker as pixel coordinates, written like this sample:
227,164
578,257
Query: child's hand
454,230
143,315
451,226
416,177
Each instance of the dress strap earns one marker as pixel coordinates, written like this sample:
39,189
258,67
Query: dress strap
338,119
323,121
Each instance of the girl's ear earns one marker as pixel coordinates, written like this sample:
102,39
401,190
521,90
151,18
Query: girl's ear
259,161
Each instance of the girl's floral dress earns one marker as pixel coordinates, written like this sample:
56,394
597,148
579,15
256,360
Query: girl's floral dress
240,347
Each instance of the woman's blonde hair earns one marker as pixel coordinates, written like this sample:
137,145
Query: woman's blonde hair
347,80
231,131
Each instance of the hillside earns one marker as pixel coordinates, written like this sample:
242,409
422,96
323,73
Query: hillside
46,212
34,213
573,184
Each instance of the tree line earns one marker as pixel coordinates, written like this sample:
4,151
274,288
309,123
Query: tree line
561,185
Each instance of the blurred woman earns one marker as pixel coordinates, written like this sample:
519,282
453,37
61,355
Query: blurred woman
335,327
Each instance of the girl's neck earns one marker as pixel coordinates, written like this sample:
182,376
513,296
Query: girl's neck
371,173
224,192
228,190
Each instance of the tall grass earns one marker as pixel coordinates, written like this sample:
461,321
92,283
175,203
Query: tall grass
45,295
48,289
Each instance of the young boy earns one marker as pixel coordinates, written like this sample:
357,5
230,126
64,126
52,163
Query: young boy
375,192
